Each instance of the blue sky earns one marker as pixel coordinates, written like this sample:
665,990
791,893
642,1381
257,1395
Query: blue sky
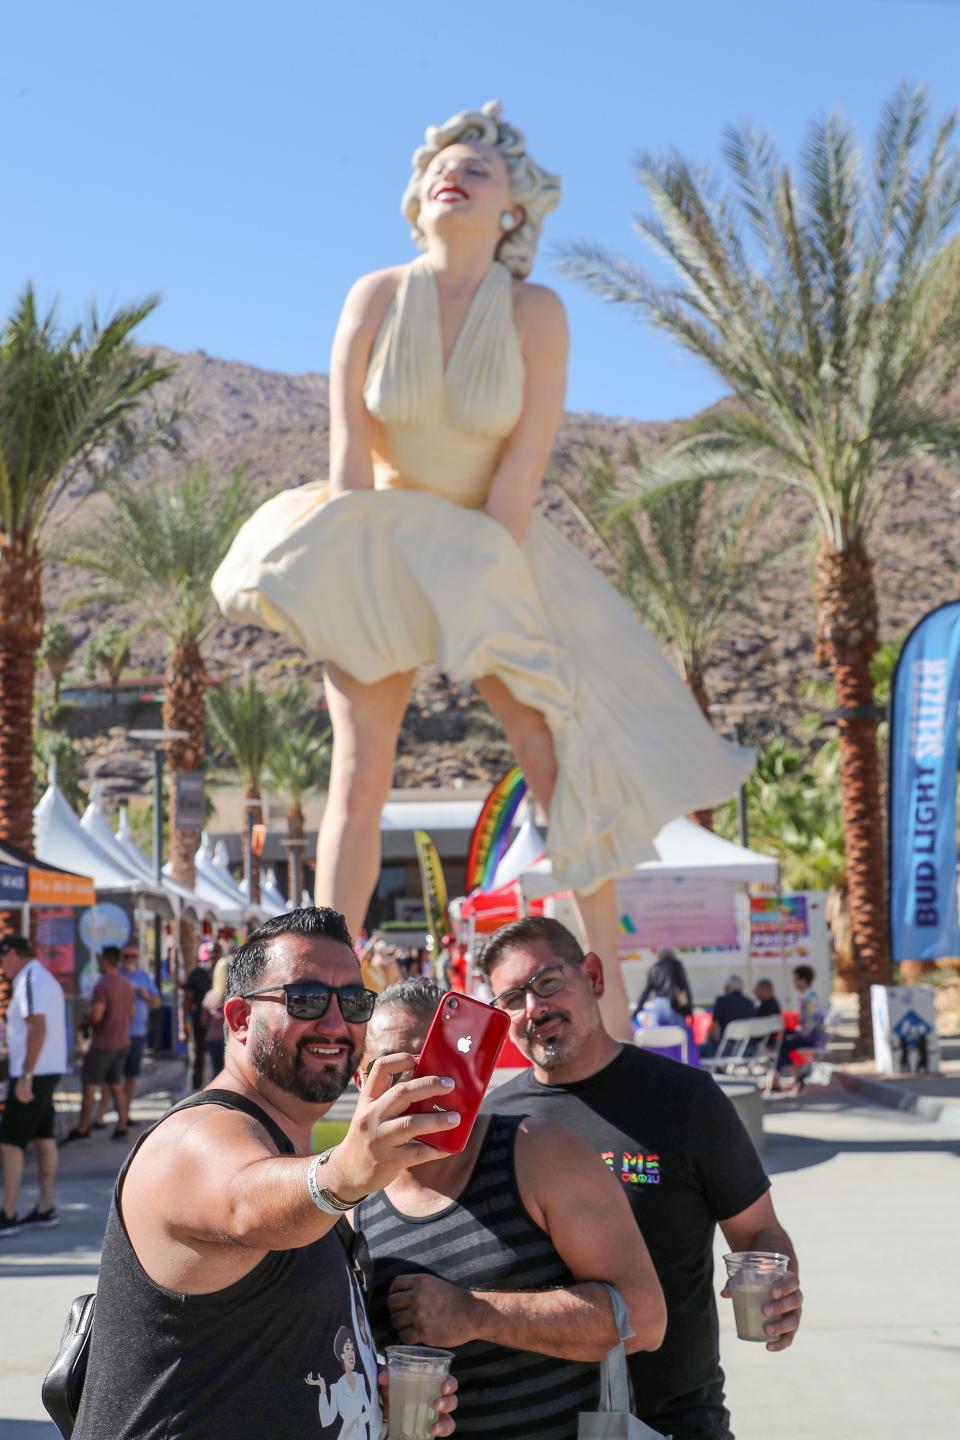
247,159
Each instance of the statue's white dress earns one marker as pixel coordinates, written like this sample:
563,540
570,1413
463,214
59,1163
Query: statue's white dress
380,581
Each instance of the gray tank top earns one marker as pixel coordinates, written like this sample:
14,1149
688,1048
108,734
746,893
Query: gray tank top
168,1366
485,1240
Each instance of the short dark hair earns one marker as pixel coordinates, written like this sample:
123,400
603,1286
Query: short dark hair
521,934
804,972
111,953
249,962
343,1336
20,943
418,993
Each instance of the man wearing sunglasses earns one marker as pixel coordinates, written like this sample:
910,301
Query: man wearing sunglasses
677,1145
227,1293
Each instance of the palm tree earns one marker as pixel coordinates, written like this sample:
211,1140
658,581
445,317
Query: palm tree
109,650
71,404
831,307
298,763
52,748
56,652
242,725
156,551
687,558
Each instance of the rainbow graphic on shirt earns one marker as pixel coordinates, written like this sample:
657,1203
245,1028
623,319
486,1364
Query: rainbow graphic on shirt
640,1168
492,830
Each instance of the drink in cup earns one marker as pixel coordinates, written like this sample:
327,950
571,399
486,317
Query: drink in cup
752,1274
416,1376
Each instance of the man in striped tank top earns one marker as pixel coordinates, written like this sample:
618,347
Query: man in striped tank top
485,1254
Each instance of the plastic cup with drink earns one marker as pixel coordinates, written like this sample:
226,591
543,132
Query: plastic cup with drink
751,1275
416,1375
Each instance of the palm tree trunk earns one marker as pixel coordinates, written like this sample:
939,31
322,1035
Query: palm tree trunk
252,815
295,847
21,635
184,690
698,689
841,932
847,623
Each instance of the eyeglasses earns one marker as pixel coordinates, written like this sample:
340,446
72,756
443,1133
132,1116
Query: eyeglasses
310,1000
548,981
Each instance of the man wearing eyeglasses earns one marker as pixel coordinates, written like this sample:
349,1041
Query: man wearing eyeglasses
674,1140
229,1302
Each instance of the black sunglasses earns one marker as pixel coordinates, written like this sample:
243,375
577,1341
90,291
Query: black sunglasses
310,1000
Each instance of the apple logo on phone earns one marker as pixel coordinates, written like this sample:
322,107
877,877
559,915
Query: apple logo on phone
465,1044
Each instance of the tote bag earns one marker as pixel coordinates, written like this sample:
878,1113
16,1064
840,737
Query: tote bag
614,1420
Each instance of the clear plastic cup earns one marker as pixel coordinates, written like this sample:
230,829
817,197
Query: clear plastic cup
751,1275
416,1374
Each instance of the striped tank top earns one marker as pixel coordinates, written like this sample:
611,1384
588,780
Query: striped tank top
485,1240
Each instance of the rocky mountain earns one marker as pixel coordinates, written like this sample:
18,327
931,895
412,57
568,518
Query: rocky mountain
278,425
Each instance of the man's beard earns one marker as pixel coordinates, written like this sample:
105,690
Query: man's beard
289,1073
555,1049
560,1049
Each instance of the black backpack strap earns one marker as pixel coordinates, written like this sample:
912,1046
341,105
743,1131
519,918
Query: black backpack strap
232,1101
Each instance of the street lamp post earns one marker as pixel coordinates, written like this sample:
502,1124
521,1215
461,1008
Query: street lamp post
159,738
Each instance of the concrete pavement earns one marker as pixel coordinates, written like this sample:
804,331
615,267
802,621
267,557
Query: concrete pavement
870,1196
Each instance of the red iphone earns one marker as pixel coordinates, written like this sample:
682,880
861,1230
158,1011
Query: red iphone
464,1040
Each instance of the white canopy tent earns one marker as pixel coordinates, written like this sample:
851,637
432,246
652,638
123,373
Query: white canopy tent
94,822
221,890
684,849
271,897
62,840
270,893
686,852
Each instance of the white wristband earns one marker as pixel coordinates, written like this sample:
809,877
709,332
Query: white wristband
324,1199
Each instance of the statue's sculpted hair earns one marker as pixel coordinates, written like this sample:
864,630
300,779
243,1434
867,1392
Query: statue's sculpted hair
534,189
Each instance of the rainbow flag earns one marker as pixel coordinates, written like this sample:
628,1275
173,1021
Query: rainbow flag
489,839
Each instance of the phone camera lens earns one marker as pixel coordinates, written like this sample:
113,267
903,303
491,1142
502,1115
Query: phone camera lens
453,1002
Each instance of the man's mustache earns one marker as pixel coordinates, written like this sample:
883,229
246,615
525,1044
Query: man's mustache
532,1026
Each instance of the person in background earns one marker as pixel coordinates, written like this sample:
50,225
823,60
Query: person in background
811,1031
666,996
37,1040
766,998
485,1254
731,1005
213,1006
147,998
110,1016
675,1142
194,989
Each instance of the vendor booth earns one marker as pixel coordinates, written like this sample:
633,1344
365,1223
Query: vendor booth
692,898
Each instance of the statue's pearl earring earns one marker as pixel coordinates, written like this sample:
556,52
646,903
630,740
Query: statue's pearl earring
508,221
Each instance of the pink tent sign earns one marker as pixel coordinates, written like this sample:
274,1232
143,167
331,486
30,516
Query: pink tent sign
684,913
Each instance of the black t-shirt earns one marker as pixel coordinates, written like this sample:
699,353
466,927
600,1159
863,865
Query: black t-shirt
735,1006
687,1162
767,1007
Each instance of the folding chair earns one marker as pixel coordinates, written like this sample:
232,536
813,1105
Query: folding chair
671,1039
749,1048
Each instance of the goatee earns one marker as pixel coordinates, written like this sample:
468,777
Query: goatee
289,1073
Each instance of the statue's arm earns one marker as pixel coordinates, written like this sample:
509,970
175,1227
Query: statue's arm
351,425
542,325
